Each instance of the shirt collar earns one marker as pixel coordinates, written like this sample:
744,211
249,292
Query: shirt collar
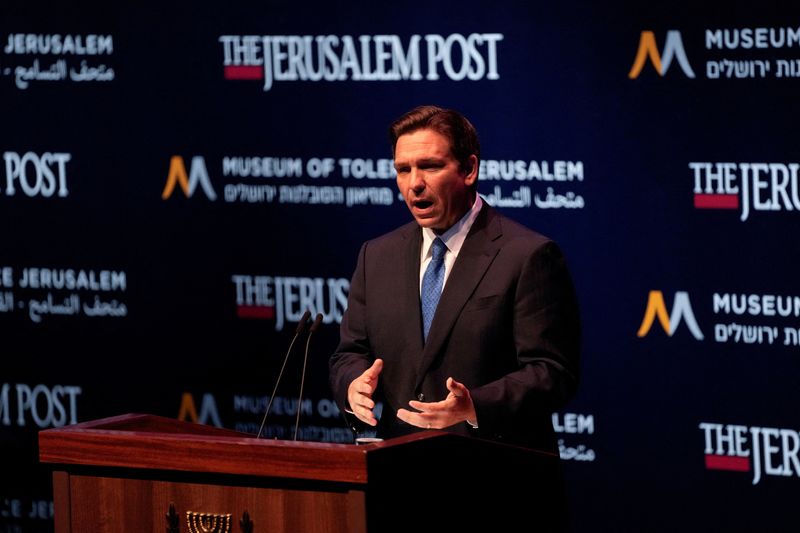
454,237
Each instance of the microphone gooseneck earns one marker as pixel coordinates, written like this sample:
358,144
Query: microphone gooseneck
312,329
301,326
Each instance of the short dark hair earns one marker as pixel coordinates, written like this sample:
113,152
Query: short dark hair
447,122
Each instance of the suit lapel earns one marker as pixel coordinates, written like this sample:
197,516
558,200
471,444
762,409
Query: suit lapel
412,332
477,253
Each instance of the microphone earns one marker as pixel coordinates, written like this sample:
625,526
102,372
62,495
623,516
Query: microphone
312,329
301,326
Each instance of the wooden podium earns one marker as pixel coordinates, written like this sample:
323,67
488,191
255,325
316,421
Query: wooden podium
142,473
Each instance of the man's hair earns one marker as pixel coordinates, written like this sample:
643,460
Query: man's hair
446,122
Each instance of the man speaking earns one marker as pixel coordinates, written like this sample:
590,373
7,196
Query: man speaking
463,319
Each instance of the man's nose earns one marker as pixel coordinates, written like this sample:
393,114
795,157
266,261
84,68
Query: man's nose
417,180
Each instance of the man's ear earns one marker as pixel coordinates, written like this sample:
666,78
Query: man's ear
472,171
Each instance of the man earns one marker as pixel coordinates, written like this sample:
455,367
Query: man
498,352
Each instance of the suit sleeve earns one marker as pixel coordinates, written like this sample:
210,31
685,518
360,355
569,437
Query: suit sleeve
546,330
353,355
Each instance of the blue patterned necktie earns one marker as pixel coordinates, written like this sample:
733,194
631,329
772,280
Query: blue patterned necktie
432,282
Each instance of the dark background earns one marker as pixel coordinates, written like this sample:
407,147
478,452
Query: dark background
563,95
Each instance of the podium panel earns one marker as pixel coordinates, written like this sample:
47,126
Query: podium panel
136,473
101,504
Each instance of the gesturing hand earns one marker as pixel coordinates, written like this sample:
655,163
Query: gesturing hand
457,407
359,393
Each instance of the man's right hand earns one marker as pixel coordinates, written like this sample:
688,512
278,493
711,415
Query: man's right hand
359,393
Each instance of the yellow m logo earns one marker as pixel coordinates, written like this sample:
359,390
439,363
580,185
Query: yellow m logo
177,176
681,310
673,48
208,410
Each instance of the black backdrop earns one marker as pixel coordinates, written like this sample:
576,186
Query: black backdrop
117,296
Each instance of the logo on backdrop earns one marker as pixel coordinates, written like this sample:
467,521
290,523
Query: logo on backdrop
673,49
331,58
760,450
285,299
34,175
730,53
208,414
317,415
52,292
39,405
198,175
747,187
555,175
274,180
763,319
360,181
320,418
572,427
34,58
681,312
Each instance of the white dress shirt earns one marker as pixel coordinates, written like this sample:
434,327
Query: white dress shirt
453,239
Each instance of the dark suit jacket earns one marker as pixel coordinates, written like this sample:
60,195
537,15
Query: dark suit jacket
506,326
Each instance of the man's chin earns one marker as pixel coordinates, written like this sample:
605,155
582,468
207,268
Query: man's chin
431,223
426,221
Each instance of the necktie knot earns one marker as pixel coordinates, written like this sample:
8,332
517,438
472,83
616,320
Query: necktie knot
438,250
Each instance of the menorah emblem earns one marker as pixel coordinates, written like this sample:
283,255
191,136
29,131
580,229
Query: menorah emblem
208,523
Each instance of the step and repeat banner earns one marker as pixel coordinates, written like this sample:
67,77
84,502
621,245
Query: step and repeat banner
178,185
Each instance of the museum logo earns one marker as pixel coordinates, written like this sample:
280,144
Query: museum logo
648,50
198,175
681,313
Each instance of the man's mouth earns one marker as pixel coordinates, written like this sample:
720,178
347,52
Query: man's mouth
421,204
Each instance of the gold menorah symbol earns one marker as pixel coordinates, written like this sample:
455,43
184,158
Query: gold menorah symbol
208,523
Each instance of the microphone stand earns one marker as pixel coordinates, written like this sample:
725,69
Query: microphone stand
301,326
312,329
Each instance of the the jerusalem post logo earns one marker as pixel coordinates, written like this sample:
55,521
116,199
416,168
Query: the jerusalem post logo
673,49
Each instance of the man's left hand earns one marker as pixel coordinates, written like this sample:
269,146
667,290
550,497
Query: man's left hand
454,409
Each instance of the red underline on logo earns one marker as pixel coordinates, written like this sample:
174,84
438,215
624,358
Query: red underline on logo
255,311
716,201
726,462
233,72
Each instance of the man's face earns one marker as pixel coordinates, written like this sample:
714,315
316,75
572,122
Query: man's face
437,193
